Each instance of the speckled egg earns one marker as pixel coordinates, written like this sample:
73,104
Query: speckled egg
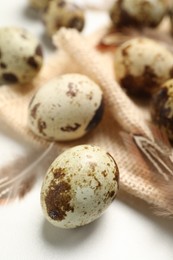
162,108
79,185
39,4
171,17
66,108
142,65
138,12
61,13
20,55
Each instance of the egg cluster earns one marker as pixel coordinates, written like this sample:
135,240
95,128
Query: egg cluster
83,181
144,67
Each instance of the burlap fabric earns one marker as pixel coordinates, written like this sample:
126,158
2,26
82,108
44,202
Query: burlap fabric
122,116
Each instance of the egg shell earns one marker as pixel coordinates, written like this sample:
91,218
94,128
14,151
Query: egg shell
142,65
39,4
162,108
63,14
21,55
138,13
79,185
66,108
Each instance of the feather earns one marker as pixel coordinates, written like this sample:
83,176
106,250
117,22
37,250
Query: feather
18,177
114,38
154,157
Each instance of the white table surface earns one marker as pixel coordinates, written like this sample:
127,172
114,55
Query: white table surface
127,230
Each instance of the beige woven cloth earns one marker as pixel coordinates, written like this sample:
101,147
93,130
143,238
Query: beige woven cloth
122,115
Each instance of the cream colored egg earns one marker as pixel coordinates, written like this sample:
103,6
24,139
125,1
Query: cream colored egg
138,12
39,4
20,55
66,108
62,13
79,185
142,65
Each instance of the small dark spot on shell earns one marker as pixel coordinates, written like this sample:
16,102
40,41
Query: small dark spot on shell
24,36
72,90
10,77
58,23
104,173
34,110
3,65
38,50
98,183
96,118
125,50
61,4
90,95
77,23
32,62
92,166
69,128
58,200
41,126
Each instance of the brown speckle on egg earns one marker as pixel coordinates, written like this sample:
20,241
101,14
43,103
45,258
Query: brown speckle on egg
61,3
10,77
58,199
69,128
76,22
38,50
72,90
3,65
32,62
41,126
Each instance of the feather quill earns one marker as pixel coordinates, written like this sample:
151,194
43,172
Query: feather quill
113,38
154,157
18,177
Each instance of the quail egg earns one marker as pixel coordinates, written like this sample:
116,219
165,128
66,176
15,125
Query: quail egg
66,108
20,55
60,13
142,65
79,185
162,108
39,4
171,17
138,12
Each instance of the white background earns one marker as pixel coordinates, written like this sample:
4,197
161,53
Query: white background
128,229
